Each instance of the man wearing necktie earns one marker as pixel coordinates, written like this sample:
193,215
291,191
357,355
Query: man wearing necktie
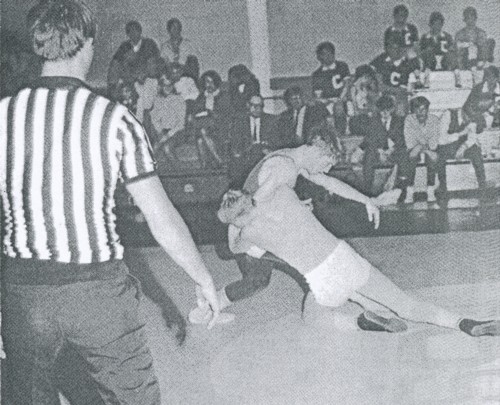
254,134
383,141
296,122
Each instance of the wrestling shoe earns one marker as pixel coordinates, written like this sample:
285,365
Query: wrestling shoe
370,321
480,328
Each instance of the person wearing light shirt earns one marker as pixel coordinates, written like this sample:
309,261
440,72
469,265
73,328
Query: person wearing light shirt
168,117
458,140
421,132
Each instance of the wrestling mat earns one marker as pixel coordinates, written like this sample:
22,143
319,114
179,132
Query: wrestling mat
285,362
268,356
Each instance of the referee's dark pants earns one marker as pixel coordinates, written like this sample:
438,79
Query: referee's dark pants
92,308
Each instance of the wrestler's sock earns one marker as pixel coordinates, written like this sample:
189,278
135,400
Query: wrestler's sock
480,328
370,321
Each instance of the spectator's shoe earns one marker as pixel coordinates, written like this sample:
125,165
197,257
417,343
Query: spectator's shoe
370,321
431,195
409,195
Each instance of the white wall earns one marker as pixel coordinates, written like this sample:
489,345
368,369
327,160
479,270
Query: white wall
356,27
219,28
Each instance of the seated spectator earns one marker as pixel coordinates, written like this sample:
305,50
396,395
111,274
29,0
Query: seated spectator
383,142
296,122
127,95
363,92
146,86
129,61
421,132
471,42
483,104
396,74
438,49
402,32
168,117
253,135
242,86
178,49
211,120
329,83
184,85
457,141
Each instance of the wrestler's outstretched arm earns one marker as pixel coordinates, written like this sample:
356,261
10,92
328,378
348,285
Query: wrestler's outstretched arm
172,234
338,187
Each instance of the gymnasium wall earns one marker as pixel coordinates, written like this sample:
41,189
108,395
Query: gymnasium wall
219,28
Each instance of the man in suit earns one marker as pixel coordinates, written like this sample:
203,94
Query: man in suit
253,135
296,122
383,140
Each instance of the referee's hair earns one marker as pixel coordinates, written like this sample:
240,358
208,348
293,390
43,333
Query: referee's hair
59,28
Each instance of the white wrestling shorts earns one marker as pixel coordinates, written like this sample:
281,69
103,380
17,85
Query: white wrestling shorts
334,281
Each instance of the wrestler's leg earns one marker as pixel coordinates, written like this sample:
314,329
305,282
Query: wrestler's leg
379,290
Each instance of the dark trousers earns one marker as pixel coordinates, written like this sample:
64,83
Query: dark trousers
449,151
371,160
412,170
257,275
91,309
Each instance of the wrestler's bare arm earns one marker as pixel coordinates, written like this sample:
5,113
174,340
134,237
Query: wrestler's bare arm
338,187
172,233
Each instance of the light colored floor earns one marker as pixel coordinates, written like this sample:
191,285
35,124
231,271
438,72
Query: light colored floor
268,356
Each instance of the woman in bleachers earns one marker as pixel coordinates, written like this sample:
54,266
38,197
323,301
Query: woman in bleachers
211,116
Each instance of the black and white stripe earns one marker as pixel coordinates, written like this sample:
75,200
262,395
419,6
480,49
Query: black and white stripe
62,151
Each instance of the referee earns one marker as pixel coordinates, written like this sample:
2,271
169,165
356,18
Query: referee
63,149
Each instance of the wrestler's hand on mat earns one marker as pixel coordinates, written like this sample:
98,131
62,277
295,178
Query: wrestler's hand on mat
373,213
208,294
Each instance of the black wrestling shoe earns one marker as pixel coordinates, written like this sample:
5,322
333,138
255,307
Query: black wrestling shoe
480,328
372,322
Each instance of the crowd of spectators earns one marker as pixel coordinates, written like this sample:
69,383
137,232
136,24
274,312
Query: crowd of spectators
223,124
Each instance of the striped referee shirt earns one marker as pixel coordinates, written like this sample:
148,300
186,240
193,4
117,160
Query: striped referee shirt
63,149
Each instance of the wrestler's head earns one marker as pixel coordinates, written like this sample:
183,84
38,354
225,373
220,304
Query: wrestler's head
322,152
61,29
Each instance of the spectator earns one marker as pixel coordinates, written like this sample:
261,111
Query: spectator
168,117
254,134
184,85
329,83
242,86
212,112
178,49
146,86
471,42
483,104
127,95
457,141
383,142
363,92
396,74
402,32
438,49
130,60
421,132
296,122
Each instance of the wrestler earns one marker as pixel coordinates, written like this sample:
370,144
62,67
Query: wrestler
268,216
